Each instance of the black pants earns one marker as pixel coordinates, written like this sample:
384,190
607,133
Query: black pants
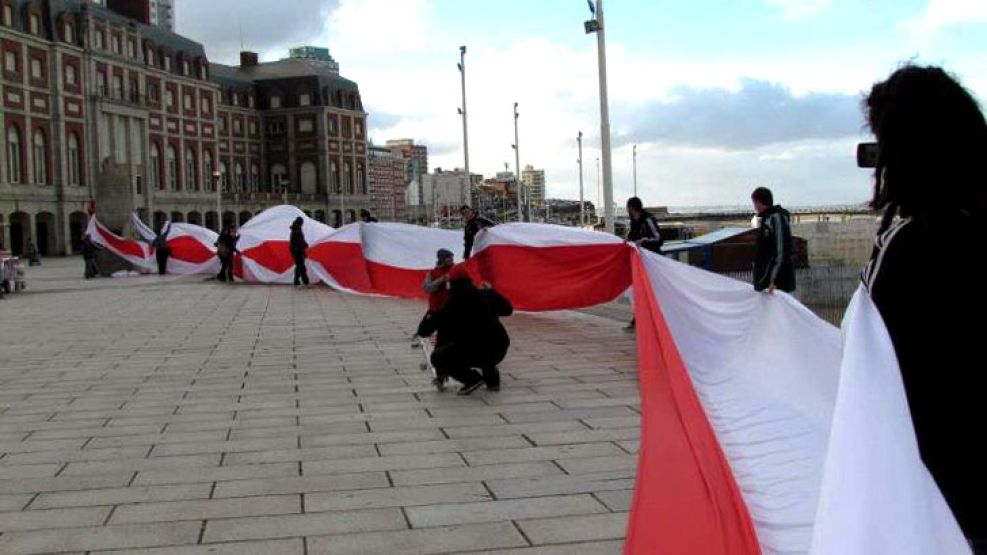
162,257
91,269
226,270
301,272
458,362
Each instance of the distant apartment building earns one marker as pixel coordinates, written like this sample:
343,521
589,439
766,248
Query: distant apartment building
388,187
534,185
416,154
316,54
100,104
440,195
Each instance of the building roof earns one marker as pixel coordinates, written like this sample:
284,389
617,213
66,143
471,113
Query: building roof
717,236
289,68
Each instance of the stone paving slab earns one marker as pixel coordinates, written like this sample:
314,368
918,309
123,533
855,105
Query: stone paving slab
175,416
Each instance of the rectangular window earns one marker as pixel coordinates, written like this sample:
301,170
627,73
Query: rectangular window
206,107
305,126
35,25
237,127
70,77
115,44
188,101
275,102
35,68
101,82
99,40
222,125
131,49
253,128
169,98
152,92
304,100
8,15
10,61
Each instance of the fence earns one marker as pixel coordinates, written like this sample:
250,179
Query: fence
826,290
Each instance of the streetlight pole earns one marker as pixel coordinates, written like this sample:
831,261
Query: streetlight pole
466,137
517,165
598,198
219,200
582,204
635,169
597,26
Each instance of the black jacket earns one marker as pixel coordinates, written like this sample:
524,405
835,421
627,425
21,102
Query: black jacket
927,277
471,318
469,233
645,227
297,244
229,241
88,250
773,261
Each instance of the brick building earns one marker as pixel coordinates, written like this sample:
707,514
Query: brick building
388,184
98,103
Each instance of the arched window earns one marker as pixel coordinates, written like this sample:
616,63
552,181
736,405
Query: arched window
348,177
224,177
254,178
75,161
361,181
207,170
150,57
309,177
172,168
334,176
14,170
155,167
238,177
191,183
69,32
34,24
279,176
40,157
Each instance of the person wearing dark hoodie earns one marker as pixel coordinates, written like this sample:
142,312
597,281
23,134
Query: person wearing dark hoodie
161,249
470,333
928,269
473,224
298,247
225,250
773,265
436,285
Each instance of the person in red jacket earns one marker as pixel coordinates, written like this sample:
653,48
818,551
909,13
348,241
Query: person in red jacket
436,284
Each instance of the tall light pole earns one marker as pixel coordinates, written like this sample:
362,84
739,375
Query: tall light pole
517,165
634,155
597,26
582,204
466,136
599,200
219,200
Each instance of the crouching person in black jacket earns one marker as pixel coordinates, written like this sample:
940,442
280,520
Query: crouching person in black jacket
470,333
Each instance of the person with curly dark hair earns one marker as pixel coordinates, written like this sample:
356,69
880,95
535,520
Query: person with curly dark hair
927,274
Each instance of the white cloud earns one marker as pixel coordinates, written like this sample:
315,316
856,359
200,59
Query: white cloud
940,14
799,9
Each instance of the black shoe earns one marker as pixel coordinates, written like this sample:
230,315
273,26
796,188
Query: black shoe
469,389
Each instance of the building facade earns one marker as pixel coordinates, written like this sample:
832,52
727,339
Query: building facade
439,195
417,156
388,185
97,103
534,185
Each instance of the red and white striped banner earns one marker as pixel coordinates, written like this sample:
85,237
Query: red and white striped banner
764,429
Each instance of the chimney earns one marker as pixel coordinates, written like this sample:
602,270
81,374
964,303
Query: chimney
248,59
139,10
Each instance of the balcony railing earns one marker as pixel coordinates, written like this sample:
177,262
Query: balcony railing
124,97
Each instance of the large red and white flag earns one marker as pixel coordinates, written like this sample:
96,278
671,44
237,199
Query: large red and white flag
264,244
134,252
547,267
398,256
766,431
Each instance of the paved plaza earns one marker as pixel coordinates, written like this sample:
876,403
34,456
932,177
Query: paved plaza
178,416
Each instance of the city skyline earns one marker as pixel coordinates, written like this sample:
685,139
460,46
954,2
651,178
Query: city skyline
718,97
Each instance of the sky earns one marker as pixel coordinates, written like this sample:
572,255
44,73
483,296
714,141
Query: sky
721,96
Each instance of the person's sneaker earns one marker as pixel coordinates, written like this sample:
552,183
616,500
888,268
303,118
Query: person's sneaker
440,383
469,389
